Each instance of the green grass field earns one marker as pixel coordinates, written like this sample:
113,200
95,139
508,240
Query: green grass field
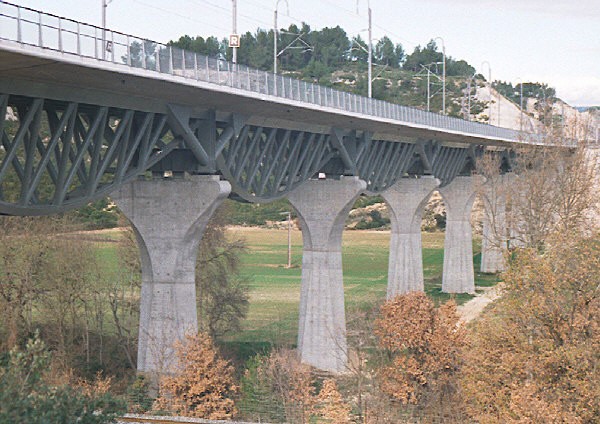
275,289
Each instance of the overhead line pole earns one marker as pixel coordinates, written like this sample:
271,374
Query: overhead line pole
105,4
370,61
443,74
275,32
369,51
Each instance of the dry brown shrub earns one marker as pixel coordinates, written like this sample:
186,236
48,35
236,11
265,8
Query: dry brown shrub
202,383
293,382
535,357
424,344
331,408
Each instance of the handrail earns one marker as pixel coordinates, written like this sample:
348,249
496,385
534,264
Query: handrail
44,30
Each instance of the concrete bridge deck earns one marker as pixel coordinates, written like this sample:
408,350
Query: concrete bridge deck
45,55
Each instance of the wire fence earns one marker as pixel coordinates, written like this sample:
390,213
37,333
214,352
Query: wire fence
66,36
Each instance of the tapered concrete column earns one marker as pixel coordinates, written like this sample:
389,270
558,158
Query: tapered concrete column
493,240
322,207
458,275
517,221
168,217
406,201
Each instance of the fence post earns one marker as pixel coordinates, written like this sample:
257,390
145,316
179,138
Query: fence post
266,83
19,35
196,66
60,43
40,39
143,54
157,59
95,43
78,40
112,51
207,69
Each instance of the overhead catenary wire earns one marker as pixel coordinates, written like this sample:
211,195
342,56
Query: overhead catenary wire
179,15
263,24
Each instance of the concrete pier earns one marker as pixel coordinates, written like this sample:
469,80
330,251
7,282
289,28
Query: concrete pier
458,275
493,241
168,217
322,206
406,201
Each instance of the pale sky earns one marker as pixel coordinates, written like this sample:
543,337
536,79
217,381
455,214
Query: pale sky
551,41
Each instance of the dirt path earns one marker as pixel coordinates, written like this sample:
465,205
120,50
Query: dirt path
471,309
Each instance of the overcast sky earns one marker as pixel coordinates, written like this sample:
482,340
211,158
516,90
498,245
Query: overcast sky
552,41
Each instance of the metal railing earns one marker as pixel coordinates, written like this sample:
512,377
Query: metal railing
36,28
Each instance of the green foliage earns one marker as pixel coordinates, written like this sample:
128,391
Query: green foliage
364,201
97,215
222,291
256,213
258,401
209,47
440,220
458,68
422,56
26,398
535,90
375,221
387,54
315,70
315,55
141,53
137,396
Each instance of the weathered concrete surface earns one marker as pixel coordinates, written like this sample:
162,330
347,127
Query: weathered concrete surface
168,217
322,207
406,201
458,275
492,255
494,237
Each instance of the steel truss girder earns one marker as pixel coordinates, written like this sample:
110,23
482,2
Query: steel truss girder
446,162
379,163
263,164
61,155
203,135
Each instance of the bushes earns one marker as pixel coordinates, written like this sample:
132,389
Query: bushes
535,356
201,383
26,397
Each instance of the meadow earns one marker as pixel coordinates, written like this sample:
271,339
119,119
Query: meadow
275,289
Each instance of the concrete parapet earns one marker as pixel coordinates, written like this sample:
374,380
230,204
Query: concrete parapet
458,275
169,218
406,201
322,206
